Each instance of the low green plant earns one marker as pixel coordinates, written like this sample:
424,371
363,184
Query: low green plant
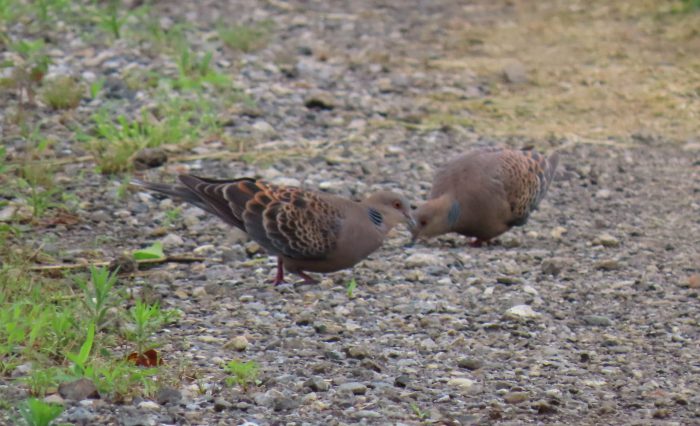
195,71
40,380
36,412
172,216
690,5
352,285
245,38
96,87
112,18
45,10
62,92
422,415
97,294
146,319
155,251
241,373
29,70
80,359
122,378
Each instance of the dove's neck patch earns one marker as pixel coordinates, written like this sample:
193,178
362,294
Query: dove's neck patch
453,214
375,216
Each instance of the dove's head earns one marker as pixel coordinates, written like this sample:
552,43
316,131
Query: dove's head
392,208
435,217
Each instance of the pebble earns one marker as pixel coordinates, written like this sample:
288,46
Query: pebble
54,399
402,381
558,232
149,405
238,343
554,265
608,265
78,390
470,363
168,395
199,291
171,240
317,384
263,128
514,72
606,240
597,320
461,382
603,194
516,397
521,312
355,388
221,404
417,260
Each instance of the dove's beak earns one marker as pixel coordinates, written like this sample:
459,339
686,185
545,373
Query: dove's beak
410,221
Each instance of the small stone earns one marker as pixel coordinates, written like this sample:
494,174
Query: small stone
54,399
246,298
78,390
238,343
366,414
317,384
608,265
149,405
199,292
557,232
514,72
521,312
417,260
251,248
554,265
516,397
603,194
607,407
320,100
285,404
694,281
168,395
172,240
181,294
221,404
402,381
508,280
606,240
544,407
357,352
461,382
263,128
597,320
149,158
470,363
355,388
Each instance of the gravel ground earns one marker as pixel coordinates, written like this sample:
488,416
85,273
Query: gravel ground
587,315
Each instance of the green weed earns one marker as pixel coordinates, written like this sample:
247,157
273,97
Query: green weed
112,18
422,415
40,380
80,359
245,38
62,92
36,412
97,294
352,285
96,87
241,373
146,319
195,71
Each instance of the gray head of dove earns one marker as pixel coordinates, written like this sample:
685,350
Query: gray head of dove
386,209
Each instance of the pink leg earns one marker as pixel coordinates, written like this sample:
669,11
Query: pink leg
477,242
307,279
279,279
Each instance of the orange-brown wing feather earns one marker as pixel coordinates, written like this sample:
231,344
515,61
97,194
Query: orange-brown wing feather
285,221
526,177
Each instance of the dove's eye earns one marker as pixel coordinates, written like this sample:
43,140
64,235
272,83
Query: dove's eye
397,204
423,222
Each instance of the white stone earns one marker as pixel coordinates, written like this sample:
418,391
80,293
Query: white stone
461,382
417,260
149,405
521,312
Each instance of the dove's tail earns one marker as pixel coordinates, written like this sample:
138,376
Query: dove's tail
177,191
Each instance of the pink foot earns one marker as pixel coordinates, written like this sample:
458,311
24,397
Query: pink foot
279,278
477,242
